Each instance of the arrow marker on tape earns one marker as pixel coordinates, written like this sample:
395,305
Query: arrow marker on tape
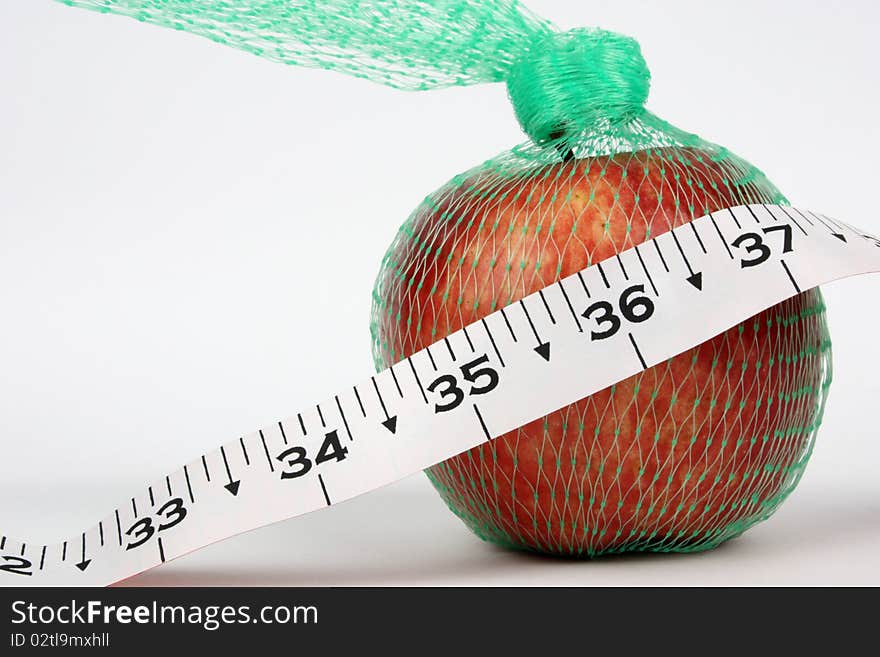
543,350
84,563
696,280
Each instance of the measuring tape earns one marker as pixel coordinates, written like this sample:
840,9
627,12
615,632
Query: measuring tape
511,367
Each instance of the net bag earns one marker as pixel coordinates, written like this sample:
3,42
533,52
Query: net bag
680,457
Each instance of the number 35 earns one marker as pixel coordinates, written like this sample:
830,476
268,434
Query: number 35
484,379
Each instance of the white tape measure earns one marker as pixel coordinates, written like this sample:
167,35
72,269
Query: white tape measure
514,366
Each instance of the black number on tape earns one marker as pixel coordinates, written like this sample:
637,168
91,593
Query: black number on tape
172,512
607,316
471,373
331,449
476,370
757,246
451,389
16,565
297,459
634,307
142,530
785,229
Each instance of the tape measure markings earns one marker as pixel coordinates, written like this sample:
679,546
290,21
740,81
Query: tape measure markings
513,366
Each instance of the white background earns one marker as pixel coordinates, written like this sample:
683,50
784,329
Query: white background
189,235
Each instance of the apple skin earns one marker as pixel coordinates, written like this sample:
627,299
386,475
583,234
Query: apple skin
679,457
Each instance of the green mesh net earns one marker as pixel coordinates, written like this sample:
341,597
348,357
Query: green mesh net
680,457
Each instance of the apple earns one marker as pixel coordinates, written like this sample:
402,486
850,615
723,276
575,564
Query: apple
680,457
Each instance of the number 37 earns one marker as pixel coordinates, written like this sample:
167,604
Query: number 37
753,243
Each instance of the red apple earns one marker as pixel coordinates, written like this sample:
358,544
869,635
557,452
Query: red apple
679,457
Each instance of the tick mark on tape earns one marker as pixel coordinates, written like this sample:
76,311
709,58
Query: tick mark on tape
735,220
660,254
529,320
418,381
787,214
84,563
805,217
509,327
638,353
379,396
543,348
188,484
694,278
602,274
482,423
468,338
790,277
843,225
232,486
547,307
721,236
697,235
225,462
266,451
584,284
247,460
821,221
647,273
577,321
622,268
431,358
389,422
342,415
492,340
396,382
324,490
357,396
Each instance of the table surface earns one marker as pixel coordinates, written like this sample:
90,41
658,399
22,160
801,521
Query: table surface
403,535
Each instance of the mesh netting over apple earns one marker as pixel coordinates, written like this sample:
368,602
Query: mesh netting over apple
680,457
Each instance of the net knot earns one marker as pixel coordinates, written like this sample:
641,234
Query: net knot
570,81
